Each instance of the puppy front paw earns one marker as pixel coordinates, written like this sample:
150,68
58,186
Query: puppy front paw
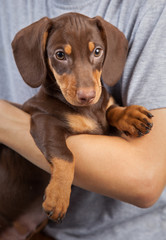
133,120
57,193
56,201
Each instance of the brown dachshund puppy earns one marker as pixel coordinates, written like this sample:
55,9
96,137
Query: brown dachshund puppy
67,56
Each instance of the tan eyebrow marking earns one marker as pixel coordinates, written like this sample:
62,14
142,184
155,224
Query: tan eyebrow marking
68,49
91,46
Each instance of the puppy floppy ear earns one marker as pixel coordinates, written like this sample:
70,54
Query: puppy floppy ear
116,51
29,51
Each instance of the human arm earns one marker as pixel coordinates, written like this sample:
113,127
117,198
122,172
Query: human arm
15,133
130,170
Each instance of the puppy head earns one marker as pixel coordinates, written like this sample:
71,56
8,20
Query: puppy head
77,50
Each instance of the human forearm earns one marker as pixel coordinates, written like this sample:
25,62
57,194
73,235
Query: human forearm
131,171
117,170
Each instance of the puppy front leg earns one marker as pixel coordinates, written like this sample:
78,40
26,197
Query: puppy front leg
49,136
57,193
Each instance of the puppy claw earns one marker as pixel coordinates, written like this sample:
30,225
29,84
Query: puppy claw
150,125
127,133
44,197
147,122
50,214
59,220
140,134
147,127
150,115
147,131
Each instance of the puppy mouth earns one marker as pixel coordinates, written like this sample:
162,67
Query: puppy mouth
85,103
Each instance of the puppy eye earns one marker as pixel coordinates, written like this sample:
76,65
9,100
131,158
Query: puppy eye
97,52
60,55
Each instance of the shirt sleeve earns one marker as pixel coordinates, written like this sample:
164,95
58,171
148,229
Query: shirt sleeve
144,78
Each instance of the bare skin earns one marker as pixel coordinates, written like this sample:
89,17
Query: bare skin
131,170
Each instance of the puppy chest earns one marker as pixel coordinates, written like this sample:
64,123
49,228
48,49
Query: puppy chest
82,124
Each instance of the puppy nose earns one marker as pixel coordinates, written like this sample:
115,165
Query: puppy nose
85,96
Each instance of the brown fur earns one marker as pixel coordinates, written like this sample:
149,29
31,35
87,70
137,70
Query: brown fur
59,55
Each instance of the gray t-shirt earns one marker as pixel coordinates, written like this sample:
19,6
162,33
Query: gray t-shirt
92,216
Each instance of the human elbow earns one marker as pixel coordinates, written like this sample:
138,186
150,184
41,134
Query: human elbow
149,189
146,199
